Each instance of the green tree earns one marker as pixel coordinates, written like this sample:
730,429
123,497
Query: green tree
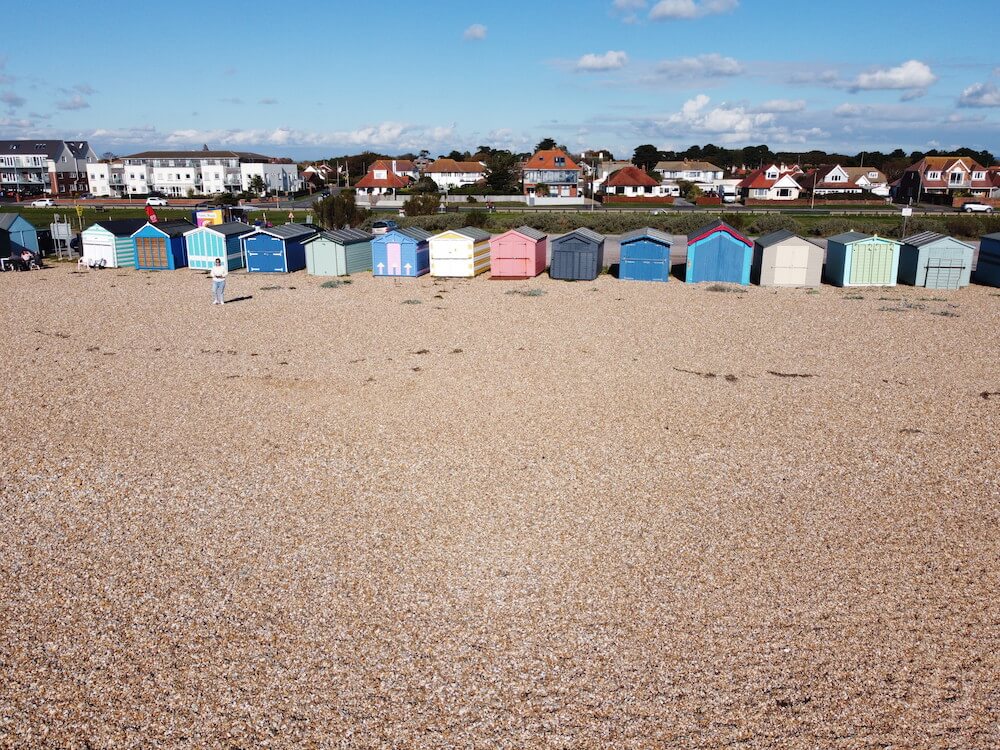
340,210
541,189
646,156
545,144
689,191
425,185
501,172
423,204
256,185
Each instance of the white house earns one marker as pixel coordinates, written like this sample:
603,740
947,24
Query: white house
106,179
205,172
704,174
838,179
448,173
773,182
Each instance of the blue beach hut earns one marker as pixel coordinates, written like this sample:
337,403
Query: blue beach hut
858,259
277,249
211,241
988,264
717,252
161,246
401,252
17,234
645,255
934,261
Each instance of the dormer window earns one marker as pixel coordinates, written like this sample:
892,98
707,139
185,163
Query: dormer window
560,161
873,175
933,175
979,175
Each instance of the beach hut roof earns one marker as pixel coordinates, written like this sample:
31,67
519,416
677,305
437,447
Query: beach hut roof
121,227
715,226
773,238
531,233
474,233
925,238
7,219
415,233
175,228
653,234
342,236
589,234
290,231
228,229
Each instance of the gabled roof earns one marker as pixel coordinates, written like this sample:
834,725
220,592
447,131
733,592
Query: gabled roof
450,165
631,177
7,219
654,234
773,238
474,233
717,226
926,238
288,231
226,229
415,233
847,238
531,233
121,227
854,174
348,236
391,180
43,148
758,178
173,228
198,155
686,166
546,159
588,234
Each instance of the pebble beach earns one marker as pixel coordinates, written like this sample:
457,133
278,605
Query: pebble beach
515,514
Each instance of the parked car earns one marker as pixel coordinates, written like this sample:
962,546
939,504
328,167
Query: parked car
151,201
384,226
43,203
976,207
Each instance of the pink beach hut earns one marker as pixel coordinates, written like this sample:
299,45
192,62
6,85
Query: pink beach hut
517,254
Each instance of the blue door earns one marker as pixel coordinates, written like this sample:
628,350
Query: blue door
717,258
265,254
644,261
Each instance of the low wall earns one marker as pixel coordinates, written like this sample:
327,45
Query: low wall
708,200
653,200
806,202
554,201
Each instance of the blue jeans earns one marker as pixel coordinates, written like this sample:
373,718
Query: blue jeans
218,289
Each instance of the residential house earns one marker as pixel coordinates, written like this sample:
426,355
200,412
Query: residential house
993,177
553,168
939,178
382,179
322,172
702,173
632,182
106,179
178,173
448,173
604,170
837,179
775,182
57,168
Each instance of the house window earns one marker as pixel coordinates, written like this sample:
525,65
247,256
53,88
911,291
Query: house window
873,175
978,175
933,175
956,178
784,192
560,161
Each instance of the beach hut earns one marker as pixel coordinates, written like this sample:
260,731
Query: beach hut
276,249
161,246
110,242
934,261
401,252
517,254
857,259
782,258
988,262
338,252
645,255
461,252
717,252
577,256
16,235
211,241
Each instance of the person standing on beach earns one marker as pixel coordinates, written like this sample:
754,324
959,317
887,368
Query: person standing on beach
219,273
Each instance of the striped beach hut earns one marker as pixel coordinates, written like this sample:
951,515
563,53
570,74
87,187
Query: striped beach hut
461,252
338,252
645,255
401,252
858,259
276,249
717,252
934,261
577,256
109,243
161,246
211,241
518,254
782,258
988,263
16,235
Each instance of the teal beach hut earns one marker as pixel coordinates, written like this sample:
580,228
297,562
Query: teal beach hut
338,252
211,241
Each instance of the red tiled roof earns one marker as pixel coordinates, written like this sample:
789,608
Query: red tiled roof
758,178
450,165
944,165
547,160
629,177
391,180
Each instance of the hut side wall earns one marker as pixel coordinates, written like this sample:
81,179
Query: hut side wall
988,263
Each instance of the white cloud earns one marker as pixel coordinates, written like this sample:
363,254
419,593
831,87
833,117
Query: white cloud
712,65
267,100
781,105
593,63
12,100
733,122
669,10
475,32
628,9
980,95
85,89
75,102
912,76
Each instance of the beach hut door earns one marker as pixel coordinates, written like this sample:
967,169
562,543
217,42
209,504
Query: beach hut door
393,253
790,266
943,273
871,263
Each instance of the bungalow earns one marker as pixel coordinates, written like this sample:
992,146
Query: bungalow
382,179
554,169
836,179
448,173
604,170
632,182
940,177
771,183
702,173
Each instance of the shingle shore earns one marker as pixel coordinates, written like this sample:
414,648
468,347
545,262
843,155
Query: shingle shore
612,515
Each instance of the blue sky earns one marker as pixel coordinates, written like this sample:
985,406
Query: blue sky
319,79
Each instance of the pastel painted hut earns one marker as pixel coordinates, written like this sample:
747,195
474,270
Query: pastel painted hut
401,252
276,249
339,252
109,243
518,254
934,261
645,255
988,263
16,235
161,246
577,256
717,252
222,241
857,259
782,258
461,252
